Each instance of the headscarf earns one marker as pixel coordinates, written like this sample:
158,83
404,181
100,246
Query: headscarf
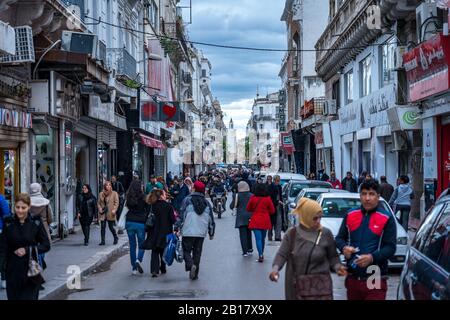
37,199
307,209
243,187
189,183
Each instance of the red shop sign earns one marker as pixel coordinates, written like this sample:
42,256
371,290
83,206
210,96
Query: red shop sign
427,68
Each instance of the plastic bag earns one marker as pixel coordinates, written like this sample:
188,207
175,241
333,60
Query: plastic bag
123,218
169,251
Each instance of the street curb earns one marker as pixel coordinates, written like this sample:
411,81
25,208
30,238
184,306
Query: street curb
57,286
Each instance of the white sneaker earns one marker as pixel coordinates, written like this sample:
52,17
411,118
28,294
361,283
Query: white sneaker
3,284
134,272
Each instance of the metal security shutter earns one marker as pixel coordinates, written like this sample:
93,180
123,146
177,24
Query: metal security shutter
89,130
113,139
159,166
103,135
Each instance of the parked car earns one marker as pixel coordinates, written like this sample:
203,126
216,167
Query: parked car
426,274
293,188
285,177
314,193
337,204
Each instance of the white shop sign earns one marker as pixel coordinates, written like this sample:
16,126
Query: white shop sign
367,112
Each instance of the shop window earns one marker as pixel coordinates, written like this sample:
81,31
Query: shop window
9,174
45,167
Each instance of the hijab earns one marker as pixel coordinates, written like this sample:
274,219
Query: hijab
307,209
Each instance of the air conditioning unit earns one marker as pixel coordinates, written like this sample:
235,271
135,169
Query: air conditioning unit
8,39
399,51
329,108
24,47
423,12
81,42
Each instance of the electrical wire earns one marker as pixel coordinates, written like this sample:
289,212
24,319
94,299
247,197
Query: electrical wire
155,36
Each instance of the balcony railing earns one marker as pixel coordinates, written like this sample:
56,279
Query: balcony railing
122,61
315,106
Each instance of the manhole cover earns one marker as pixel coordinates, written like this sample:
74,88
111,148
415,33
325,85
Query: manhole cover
165,294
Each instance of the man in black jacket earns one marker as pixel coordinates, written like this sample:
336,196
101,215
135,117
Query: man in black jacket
349,184
367,238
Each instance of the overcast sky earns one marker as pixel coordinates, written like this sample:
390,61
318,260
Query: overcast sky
237,73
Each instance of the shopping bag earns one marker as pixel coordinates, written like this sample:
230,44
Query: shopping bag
123,218
169,251
179,251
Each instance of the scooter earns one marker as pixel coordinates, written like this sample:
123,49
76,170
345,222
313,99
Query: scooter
219,204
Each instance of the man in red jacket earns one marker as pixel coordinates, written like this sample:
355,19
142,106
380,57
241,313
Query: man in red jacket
261,207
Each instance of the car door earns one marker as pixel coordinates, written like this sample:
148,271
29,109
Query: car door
428,265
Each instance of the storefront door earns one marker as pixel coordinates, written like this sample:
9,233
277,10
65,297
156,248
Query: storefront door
9,173
445,156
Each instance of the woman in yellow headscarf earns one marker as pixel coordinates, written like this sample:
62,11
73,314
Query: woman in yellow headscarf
310,252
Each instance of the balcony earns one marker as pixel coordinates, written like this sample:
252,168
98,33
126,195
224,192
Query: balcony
122,61
264,117
349,29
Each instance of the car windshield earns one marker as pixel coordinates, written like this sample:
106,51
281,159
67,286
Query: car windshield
339,207
297,187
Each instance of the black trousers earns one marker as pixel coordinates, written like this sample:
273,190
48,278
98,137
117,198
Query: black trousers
28,292
111,228
157,263
86,231
245,235
192,251
404,216
2,256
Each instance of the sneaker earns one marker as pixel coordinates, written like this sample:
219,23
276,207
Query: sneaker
260,259
192,274
154,275
139,267
245,254
116,241
250,252
134,272
3,285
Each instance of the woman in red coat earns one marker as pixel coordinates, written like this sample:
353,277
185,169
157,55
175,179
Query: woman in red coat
261,206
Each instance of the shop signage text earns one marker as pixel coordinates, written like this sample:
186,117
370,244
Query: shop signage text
427,68
17,119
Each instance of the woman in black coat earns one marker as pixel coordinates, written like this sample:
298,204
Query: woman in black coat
243,217
23,234
87,211
164,221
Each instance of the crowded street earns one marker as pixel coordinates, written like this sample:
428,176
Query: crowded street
224,275
224,150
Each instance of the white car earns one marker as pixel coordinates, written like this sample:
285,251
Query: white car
337,205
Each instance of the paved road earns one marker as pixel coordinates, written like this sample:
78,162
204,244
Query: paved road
224,275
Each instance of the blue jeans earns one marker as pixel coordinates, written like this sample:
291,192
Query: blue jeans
134,230
260,236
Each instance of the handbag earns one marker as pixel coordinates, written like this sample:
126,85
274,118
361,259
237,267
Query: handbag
123,218
34,269
150,221
310,286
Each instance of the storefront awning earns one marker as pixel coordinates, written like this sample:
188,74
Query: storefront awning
151,142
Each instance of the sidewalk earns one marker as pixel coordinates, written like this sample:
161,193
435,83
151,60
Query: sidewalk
71,251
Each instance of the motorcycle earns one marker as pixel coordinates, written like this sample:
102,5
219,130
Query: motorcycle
219,203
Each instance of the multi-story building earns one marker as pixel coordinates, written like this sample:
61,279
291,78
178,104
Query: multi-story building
365,91
263,132
77,94
305,21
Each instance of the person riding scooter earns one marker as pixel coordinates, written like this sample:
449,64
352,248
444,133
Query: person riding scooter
218,187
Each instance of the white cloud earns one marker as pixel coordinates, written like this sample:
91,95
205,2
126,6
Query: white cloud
236,74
